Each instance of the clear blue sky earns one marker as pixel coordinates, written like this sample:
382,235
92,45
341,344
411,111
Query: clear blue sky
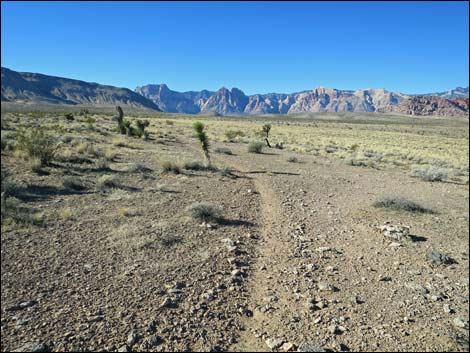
260,47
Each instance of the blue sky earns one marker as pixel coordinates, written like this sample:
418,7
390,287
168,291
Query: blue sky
260,47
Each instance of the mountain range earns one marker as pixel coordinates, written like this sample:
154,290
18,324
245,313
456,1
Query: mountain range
32,88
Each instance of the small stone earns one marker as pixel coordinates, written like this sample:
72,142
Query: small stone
274,343
310,347
131,339
323,286
395,245
439,258
124,348
288,346
448,309
167,302
96,318
460,322
33,347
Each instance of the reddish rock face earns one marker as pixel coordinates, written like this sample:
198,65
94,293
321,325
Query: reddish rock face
430,105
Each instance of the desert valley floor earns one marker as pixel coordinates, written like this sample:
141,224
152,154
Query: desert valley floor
296,261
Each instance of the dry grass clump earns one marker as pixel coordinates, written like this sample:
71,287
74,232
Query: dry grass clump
400,204
170,167
106,182
72,183
205,211
130,238
429,173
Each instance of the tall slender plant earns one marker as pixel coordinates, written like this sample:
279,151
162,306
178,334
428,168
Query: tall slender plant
203,140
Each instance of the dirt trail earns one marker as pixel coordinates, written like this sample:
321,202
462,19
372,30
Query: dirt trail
269,300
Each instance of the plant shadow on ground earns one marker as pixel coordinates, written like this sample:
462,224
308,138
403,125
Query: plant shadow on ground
40,192
233,222
270,172
417,238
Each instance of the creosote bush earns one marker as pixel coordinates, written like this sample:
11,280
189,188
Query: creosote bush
205,211
255,147
37,144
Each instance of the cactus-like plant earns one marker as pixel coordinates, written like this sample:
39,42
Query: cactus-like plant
203,140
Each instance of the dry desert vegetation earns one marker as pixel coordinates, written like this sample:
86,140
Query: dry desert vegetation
152,234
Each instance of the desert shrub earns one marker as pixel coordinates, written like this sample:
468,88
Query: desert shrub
169,122
204,211
223,150
255,147
35,164
106,182
12,212
73,183
69,117
231,135
37,144
90,120
170,167
429,173
84,112
131,238
354,147
292,159
400,204
141,125
138,168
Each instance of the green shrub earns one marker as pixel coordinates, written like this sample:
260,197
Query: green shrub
255,147
37,144
204,211
69,117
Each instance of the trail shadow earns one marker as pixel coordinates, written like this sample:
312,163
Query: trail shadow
234,222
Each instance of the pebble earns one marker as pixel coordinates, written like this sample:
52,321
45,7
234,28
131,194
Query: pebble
460,322
274,343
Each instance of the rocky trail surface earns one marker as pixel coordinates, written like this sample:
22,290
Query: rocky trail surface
300,260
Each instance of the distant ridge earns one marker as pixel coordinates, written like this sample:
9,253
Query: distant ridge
234,101
32,88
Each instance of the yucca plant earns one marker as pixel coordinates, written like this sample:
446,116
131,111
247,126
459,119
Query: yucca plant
203,140
265,132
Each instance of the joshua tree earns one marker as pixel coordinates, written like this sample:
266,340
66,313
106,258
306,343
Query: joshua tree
203,140
265,133
119,118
